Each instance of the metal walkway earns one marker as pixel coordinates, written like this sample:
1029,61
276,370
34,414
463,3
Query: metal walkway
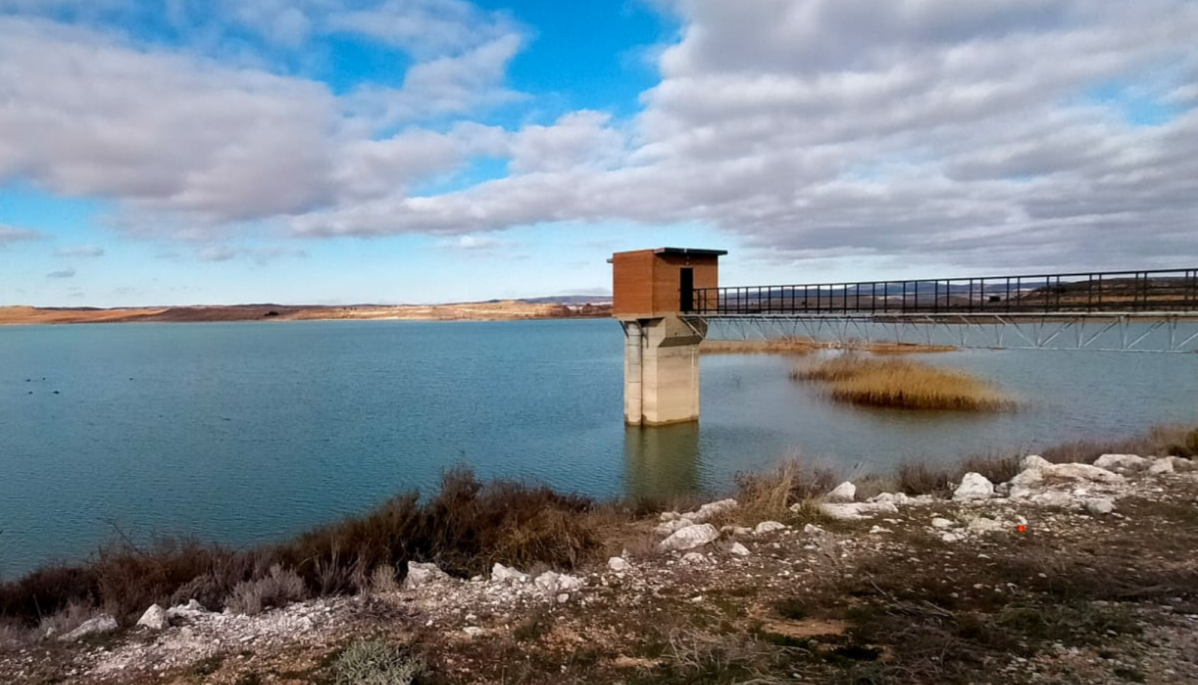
1146,311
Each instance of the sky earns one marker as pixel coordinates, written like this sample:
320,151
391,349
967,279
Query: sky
158,152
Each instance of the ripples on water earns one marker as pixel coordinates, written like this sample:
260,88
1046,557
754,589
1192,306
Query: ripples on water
245,433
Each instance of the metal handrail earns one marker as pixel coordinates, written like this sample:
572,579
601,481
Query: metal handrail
1097,291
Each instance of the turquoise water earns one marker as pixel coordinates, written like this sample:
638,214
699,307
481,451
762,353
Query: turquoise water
249,432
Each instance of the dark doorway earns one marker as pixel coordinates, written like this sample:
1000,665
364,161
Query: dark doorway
688,290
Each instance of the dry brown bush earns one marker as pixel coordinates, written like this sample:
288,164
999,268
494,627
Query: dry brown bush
278,588
769,495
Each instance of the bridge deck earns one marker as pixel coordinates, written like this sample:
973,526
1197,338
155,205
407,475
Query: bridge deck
1145,294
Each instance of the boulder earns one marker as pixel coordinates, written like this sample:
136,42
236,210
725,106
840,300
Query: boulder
768,527
507,575
812,529
422,574
855,510
737,549
1121,462
712,510
845,492
941,523
1161,466
974,487
671,526
155,618
618,564
1181,465
668,516
1100,506
898,498
983,524
1033,461
93,626
689,538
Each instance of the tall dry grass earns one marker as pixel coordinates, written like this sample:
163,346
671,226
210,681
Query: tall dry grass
901,384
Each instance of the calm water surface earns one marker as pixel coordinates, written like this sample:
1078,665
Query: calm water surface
246,433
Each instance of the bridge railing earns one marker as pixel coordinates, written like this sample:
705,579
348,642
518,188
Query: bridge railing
1161,290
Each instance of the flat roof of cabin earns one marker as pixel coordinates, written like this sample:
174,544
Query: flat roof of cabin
690,251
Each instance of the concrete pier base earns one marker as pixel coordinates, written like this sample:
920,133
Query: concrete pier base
661,370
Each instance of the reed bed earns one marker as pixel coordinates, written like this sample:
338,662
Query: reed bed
902,384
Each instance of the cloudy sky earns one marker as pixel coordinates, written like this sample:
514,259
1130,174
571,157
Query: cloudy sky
337,151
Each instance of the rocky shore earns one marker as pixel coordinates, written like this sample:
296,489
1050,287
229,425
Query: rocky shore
1066,573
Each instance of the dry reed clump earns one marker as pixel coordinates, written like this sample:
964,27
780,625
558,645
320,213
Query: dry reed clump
769,495
901,384
279,588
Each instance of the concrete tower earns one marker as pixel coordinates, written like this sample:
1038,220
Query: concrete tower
652,291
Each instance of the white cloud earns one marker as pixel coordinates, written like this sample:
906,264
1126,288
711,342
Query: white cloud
259,255
79,251
471,243
63,273
12,234
427,29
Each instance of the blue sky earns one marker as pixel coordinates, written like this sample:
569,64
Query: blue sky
341,151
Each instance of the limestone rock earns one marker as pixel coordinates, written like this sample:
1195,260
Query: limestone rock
618,564
694,558
190,611
506,575
898,498
941,523
553,584
845,492
472,631
736,530
974,487
1181,465
669,527
713,509
690,537
855,510
1033,461
668,516
1124,462
983,524
1161,466
422,574
768,527
93,626
155,618
737,549
1100,506
812,529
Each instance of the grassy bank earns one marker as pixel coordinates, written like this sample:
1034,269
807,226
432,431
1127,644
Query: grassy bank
901,384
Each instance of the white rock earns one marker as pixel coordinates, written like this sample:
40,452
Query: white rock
190,611
670,527
422,574
618,564
973,487
1033,461
690,537
1127,462
472,631
155,618
1100,506
93,626
856,510
668,516
738,549
949,537
1161,466
1084,472
812,529
736,530
563,598
1181,465
552,584
941,523
694,558
845,492
506,575
712,509
898,498
1053,498
879,530
983,524
768,527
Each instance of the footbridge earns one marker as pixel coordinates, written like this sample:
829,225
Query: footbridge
669,299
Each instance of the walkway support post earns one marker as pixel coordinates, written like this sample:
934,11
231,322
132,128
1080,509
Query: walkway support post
653,292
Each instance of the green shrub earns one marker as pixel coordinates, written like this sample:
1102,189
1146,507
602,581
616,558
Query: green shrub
373,662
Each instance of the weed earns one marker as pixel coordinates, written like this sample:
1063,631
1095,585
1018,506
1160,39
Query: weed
373,662
278,588
764,496
901,384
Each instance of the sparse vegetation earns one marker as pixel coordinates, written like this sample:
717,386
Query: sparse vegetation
769,495
901,384
374,662
278,588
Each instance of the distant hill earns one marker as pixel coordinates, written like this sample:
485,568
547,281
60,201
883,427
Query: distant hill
569,299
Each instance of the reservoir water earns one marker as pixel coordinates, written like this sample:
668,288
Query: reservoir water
249,432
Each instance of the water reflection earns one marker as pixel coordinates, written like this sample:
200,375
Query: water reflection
662,461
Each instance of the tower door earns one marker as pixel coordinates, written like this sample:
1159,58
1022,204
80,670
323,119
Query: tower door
688,290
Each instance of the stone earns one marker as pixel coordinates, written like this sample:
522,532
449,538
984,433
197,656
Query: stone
845,492
855,510
669,527
1084,472
689,538
506,575
1181,465
667,516
552,584
713,509
472,631
93,626
879,530
694,558
1100,506
898,498
983,524
154,618
738,549
1125,462
768,527
941,523
618,564
1161,466
736,530
422,574
1033,461
949,538
563,598
190,611
974,487
812,529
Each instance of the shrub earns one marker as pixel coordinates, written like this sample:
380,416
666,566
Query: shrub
764,496
901,384
13,635
373,662
278,588
919,478
66,619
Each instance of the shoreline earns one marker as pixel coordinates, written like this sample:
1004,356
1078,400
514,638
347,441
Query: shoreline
827,570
